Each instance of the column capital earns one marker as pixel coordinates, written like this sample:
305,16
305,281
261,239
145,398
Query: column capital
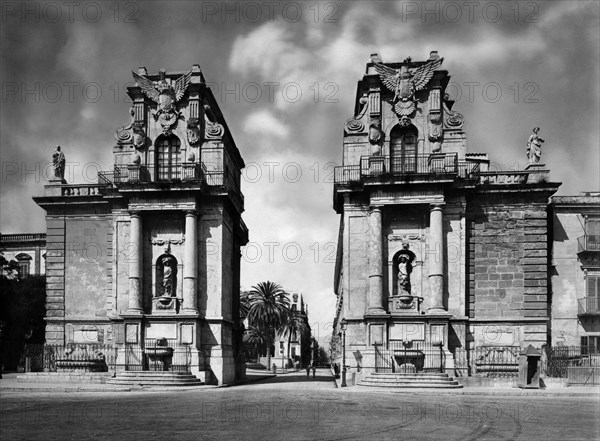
193,212
436,205
135,213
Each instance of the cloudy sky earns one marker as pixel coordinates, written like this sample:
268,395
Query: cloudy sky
285,75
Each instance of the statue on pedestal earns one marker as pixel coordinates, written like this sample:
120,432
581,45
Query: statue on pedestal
58,161
534,147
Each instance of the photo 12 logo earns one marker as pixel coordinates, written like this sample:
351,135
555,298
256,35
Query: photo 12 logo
68,12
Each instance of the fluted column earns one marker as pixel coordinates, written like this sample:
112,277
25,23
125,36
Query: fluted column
376,303
190,264
135,264
436,259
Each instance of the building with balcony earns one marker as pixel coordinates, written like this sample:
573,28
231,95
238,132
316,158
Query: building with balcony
150,254
576,271
438,256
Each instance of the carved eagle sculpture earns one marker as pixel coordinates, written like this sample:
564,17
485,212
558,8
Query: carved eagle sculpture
405,83
162,92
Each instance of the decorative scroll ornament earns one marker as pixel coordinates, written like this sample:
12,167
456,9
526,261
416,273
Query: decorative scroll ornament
435,131
212,129
166,96
139,137
405,82
355,125
193,132
167,242
374,133
452,119
123,135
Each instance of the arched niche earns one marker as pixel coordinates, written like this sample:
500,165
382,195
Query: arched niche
402,266
166,276
168,158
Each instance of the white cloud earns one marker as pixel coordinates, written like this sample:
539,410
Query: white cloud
263,123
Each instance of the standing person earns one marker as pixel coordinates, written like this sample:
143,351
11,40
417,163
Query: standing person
307,371
314,369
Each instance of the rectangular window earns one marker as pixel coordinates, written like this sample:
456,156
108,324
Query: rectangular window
24,269
590,344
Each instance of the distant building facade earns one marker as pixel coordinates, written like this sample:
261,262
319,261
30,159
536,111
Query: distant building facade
289,349
435,250
27,249
150,255
575,306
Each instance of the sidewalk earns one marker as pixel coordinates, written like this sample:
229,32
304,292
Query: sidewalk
10,383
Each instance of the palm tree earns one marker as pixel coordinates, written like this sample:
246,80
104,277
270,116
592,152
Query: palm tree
295,324
269,308
255,338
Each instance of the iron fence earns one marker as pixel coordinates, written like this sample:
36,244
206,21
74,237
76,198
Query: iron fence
49,358
100,357
417,356
589,305
496,361
588,242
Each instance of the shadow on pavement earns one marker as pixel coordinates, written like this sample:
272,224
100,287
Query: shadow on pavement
287,378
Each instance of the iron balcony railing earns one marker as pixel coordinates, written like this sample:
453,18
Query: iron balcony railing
589,305
588,242
437,165
187,171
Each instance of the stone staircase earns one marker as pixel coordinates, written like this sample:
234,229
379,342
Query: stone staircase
410,381
155,378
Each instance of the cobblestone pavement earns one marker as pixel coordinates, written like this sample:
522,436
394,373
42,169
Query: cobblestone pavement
290,407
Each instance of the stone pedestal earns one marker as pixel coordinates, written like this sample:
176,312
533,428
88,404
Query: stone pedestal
537,173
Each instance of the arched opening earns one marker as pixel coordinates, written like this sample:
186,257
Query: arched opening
403,149
168,158
166,276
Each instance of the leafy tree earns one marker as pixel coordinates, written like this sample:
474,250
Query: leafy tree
22,314
269,307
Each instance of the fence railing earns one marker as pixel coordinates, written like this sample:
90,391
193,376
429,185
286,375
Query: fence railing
589,305
417,356
438,165
48,358
98,357
588,242
496,361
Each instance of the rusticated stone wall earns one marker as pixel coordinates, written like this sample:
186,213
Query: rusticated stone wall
508,256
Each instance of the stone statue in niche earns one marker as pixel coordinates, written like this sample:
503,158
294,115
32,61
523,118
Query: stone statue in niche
58,161
168,277
534,147
404,270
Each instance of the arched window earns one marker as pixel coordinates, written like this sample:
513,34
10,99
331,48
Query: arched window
24,261
403,149
168,158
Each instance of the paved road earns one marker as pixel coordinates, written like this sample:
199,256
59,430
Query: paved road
290,407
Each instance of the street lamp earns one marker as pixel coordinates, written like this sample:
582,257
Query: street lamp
344,326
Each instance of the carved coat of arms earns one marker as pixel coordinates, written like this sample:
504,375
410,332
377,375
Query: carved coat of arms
404,82
166,96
